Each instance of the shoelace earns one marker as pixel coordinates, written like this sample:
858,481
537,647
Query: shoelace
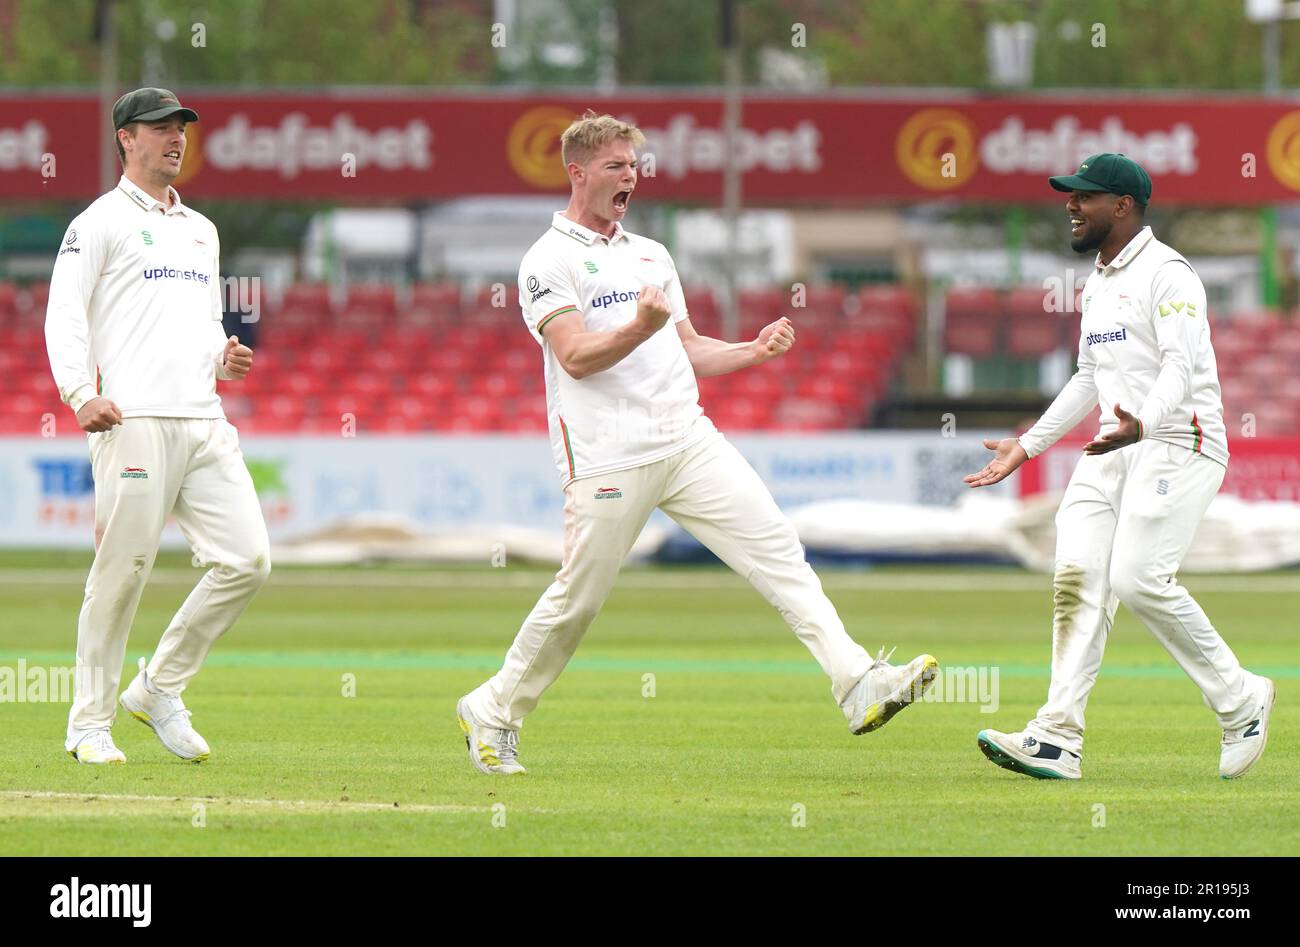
172,702
882,659
100,740
507,740
177,709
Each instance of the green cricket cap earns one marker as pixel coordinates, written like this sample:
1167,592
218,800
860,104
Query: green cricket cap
149,105
1115,174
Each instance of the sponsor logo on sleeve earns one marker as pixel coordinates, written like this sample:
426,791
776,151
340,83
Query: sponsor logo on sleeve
534,288
68,244
1186,308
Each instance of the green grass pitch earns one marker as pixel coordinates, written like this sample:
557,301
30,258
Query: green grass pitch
740,750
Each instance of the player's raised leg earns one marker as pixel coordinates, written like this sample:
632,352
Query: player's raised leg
603,516
219,513
1168,492
718,497
134,488
1083,610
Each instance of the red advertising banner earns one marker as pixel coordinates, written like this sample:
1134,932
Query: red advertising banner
1259,468
824,150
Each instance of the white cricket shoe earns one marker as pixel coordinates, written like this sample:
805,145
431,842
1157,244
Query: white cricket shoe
885,690
166,715
1021,753
1243,747
492,751
96,748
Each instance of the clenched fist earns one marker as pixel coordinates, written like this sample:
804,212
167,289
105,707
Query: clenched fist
98,414
775,339
237,359
652,310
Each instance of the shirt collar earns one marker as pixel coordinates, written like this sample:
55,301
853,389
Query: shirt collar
578,232
1132,249
151,204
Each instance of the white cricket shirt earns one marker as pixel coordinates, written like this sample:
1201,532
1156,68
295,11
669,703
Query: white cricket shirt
135,308
1144,344
646,407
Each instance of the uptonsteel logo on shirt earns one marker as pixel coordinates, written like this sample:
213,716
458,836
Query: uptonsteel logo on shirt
1115,335
608,299
167,272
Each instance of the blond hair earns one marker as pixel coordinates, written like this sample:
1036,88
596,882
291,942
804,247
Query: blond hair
589,134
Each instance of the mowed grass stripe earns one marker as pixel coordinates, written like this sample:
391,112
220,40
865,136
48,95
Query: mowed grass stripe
370,660
883,580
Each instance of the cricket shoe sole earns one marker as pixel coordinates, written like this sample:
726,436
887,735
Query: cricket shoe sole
1008,751
908,686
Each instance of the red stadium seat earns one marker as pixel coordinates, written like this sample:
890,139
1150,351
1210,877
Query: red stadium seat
8,301
1033,334
489,300
430,387
973,322
38,296
449,361
380,297
889,300
495,386
832,389
824,302
313,296
368,384
440,297
803,414
1033,329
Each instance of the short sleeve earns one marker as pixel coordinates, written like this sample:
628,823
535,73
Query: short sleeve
546,289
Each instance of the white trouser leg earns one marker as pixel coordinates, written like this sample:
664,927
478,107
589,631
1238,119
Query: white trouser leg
597,536
717,497
1168,491
137,466
1083,604
219,513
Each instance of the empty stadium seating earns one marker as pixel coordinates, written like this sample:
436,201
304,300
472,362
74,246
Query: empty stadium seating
434,358
1257,353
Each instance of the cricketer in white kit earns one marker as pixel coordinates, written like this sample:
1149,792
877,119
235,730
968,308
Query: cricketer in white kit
136,345
1131,508
628,435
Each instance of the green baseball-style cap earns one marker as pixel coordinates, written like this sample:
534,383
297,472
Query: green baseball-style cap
149,105
1108,172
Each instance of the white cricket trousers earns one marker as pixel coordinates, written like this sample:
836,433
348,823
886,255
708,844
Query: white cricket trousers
713,493
145,470
1124,525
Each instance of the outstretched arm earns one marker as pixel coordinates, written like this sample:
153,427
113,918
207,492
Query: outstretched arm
715,357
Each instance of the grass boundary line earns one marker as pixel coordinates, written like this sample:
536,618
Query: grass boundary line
292,805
